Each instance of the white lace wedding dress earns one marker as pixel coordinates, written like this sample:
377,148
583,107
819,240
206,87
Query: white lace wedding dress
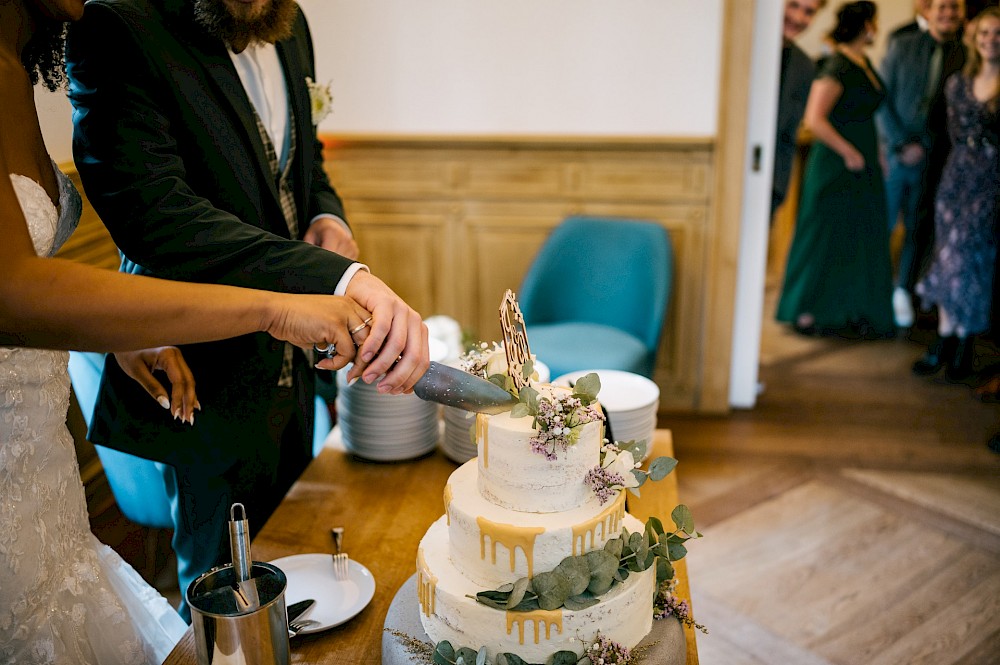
64,596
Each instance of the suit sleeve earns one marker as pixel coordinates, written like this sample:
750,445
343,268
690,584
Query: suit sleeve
126,119
894,133
322,196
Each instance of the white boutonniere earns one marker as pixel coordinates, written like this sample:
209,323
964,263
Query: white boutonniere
320,100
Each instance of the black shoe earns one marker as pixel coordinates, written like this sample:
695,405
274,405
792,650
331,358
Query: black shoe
938,354
961,364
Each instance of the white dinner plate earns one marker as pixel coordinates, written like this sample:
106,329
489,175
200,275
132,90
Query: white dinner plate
337,601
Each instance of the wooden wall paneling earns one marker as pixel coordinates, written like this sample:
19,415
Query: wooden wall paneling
498,198
408,245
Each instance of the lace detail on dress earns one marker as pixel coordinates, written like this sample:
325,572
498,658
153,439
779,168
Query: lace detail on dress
64,596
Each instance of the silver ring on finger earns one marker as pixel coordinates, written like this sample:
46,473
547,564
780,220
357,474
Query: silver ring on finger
326,351
364,324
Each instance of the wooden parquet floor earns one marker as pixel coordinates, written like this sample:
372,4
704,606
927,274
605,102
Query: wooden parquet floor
852,517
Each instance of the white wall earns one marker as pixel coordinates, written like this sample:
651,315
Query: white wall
564,67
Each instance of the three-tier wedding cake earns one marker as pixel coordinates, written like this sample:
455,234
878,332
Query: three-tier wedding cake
517,510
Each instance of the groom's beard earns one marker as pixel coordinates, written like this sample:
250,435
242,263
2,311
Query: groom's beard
273,24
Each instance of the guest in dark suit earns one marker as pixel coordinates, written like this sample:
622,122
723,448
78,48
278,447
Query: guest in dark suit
195,143
797,71
918,24
914,136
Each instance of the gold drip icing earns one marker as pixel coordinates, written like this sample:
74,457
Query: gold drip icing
426,583
610,521
511,537
448,494
483,434
547,617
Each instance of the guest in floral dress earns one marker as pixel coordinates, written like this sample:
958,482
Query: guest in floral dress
960,278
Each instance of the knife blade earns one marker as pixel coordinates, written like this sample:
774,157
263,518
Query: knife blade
296,610
454,387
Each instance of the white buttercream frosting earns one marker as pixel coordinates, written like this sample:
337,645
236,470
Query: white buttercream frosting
448,613
482,535
513,476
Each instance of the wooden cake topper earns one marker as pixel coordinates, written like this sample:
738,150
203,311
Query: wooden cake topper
515,339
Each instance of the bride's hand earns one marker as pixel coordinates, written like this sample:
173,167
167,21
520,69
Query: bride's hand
140,365
308,320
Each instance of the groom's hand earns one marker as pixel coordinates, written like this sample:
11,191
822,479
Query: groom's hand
331,235
396,342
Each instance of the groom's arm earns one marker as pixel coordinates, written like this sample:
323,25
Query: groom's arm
126,124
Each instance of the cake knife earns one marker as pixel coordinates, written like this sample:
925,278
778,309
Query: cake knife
452,387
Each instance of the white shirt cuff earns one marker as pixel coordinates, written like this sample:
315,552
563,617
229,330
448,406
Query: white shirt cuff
346,279
334,218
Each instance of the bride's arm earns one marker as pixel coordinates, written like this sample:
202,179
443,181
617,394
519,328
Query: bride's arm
59,304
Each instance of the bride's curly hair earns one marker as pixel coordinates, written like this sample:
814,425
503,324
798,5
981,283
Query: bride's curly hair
43,55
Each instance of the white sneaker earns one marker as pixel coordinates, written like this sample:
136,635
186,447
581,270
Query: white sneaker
902,308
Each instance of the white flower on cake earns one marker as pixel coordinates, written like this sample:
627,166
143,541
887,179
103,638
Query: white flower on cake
490,362
320,100
619,471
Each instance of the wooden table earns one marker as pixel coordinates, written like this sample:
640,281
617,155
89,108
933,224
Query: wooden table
385,509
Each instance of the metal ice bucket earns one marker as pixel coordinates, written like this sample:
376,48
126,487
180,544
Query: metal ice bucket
228,631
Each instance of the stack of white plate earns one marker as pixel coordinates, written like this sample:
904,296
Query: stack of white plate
631,401
385,428
459,441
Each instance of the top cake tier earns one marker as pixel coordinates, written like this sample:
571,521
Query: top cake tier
512,475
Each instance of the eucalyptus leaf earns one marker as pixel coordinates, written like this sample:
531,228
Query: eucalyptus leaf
683,519
621,574
518,591
495,599
587,387
510,659
466,655
580,602
635,540
577,572
552,588
444,653
527,369
640,477
614,547
519,410
506,588
564,658
529,397
664,571
481,656
529,604
499,380
661,467
603,567
654,524
676,552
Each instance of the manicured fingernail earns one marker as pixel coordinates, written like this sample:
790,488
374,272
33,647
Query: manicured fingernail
164,402
190,420
197,406
353,381
177,414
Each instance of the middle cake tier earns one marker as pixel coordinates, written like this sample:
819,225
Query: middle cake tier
492,545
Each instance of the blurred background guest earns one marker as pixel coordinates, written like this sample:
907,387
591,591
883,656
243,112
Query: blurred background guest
838,275
914,68
797,72
960,278
918,24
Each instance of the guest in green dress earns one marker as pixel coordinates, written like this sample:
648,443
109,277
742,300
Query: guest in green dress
838,276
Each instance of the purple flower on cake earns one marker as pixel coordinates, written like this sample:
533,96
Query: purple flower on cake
559,421
607,652
615,473
666,603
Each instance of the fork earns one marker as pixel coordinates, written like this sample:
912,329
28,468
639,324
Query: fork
340,559
296,627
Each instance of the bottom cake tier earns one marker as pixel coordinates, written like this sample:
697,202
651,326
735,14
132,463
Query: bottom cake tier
449,611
